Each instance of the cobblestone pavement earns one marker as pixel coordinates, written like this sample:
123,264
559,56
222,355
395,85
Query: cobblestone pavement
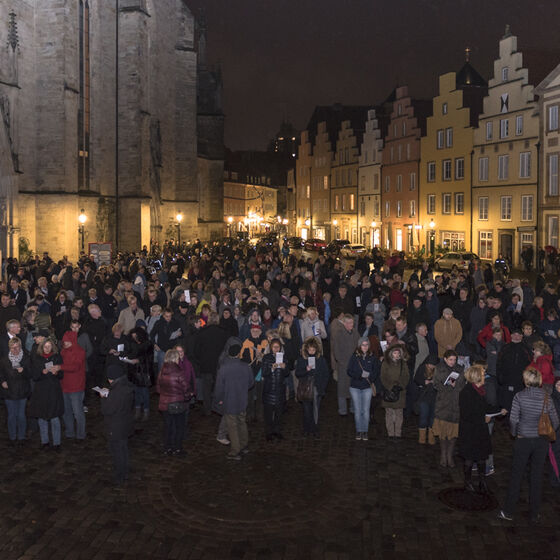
331,499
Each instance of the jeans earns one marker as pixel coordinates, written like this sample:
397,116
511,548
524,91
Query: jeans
74,409
533,451
17,421
159,355
362,400
343,406
427,412
142,397
119,452
44,430
174,430
237,430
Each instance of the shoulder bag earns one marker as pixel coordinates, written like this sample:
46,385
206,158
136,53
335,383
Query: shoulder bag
305,389
177,407
545,425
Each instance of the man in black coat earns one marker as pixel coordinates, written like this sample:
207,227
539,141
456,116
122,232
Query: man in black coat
209,343
513,358
116,407
462,308
7,311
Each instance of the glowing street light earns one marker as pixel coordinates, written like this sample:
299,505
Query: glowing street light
179,218
82,219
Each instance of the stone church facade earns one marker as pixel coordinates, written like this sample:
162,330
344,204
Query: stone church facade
110,111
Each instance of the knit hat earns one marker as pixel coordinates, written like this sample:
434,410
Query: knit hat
362,340
447,310
516,331
140,323
114,371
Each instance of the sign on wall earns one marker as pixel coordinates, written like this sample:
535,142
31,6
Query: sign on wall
101,252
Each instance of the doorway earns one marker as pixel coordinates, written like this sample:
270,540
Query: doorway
506,246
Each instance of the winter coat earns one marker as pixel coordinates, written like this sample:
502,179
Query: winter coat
46,401
313,328
360,364
427,392
73,364
512,361
109,343
117,409
477,321
485,335
546,327
474,438
171,385
189,374
343,345
163,332
493,348
19,385
462,312
128,319
320,373
544,365
140,374
209,343
447,399
394,373
233,382
274,380
447,333
420,315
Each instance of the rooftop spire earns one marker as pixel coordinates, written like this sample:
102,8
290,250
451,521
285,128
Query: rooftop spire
468,54
508,32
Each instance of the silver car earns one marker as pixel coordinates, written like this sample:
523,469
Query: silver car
449,260
352,251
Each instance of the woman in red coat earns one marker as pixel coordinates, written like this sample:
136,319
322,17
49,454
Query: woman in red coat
173,390
73,384
486,333
542,360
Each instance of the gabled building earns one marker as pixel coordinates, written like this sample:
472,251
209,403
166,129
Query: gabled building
549,189
445,168
505,161
401,165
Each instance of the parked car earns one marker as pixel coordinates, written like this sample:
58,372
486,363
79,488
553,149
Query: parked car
334,246
295,242
315,244
352,251
459,259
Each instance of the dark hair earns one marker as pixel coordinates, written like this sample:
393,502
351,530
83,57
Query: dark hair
450,353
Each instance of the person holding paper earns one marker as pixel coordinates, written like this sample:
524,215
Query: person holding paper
363,369
312,363
274,374
47,403
448,382
394,378
474,441
114,346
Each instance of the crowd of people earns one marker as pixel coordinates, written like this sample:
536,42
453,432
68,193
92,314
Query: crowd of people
238,331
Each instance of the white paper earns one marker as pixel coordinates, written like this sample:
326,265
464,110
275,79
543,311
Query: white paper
279,357
551,333
451,377
376,307
125,360
311,362
358,301
301,305
383,344
494,414
103,391
63,308
404,285
175,334
49,365
188,296
120,348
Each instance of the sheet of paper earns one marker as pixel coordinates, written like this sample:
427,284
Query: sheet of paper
49,365
187,296
311,362
279,357
120,347
383,344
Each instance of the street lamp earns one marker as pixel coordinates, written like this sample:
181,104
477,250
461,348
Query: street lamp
230,222
179,219
432,225
82,219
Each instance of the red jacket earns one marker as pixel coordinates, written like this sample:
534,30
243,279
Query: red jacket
486,334
73,365
544,365
171,385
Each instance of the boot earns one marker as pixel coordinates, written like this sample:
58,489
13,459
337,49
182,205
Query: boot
482,485
443,444
467,471
431,437
422,435
146,415
137,413
450,452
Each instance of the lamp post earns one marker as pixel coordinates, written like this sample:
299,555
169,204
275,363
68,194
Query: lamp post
432,225
230,221
82,219
179,218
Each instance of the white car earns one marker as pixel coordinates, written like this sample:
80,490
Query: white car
460,260
352,251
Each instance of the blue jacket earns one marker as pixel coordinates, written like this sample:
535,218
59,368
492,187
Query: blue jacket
357,365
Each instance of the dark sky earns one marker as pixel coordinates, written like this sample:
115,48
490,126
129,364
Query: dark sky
280,58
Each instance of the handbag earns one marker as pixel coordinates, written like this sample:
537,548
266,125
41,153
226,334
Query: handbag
392,395
545,425
305,389
177,407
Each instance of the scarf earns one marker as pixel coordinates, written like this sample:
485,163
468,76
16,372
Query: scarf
16,359
480,390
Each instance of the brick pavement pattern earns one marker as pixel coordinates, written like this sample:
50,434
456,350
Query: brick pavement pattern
329,499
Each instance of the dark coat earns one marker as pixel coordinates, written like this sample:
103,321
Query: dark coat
172,385
233,382
210,341
394,373
117,409
140,373
19,386
320,373
512,361
274,381
474,438
447,400
46,401
357,365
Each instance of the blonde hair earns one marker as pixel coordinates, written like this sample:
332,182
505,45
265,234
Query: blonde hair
475,374
172,356
532,377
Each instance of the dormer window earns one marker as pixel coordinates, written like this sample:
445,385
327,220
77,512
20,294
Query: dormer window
444,109
505,74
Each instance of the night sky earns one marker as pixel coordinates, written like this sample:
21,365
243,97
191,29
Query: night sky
280,58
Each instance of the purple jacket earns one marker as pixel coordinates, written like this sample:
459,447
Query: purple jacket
171,385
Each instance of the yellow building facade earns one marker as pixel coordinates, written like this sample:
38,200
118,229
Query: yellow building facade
445,165
505,161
